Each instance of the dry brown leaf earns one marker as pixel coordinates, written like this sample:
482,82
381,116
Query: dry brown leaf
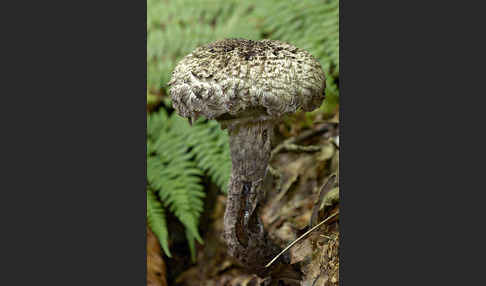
286,232
301,251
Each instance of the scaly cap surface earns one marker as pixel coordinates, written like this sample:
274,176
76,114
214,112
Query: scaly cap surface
233,77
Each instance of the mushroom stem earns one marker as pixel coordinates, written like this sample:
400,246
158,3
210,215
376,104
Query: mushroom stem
244,233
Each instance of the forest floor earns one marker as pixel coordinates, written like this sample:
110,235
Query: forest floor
305,193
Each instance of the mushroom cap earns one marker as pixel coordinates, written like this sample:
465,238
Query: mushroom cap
238,77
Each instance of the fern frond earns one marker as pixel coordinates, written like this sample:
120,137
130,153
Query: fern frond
176,180
156,221
210,146
178,155
156,122
192,245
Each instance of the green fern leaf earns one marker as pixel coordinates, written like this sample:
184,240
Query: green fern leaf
192,245
156,221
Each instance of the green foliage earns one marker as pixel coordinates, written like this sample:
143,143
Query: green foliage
178,155
152,99
156,220
211,150
332,97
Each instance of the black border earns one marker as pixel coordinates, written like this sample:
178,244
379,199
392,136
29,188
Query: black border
75,169
407,136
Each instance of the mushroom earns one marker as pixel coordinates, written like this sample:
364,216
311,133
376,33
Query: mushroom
247,86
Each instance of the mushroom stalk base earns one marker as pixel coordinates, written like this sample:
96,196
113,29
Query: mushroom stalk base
244,233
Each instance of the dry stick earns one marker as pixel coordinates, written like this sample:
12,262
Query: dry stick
331,127
300,237
322,192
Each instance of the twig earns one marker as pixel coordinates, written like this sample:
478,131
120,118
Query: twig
290,144
322,192
331,127
295,147
300,237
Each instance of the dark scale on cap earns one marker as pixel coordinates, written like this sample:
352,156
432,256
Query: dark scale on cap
236,75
